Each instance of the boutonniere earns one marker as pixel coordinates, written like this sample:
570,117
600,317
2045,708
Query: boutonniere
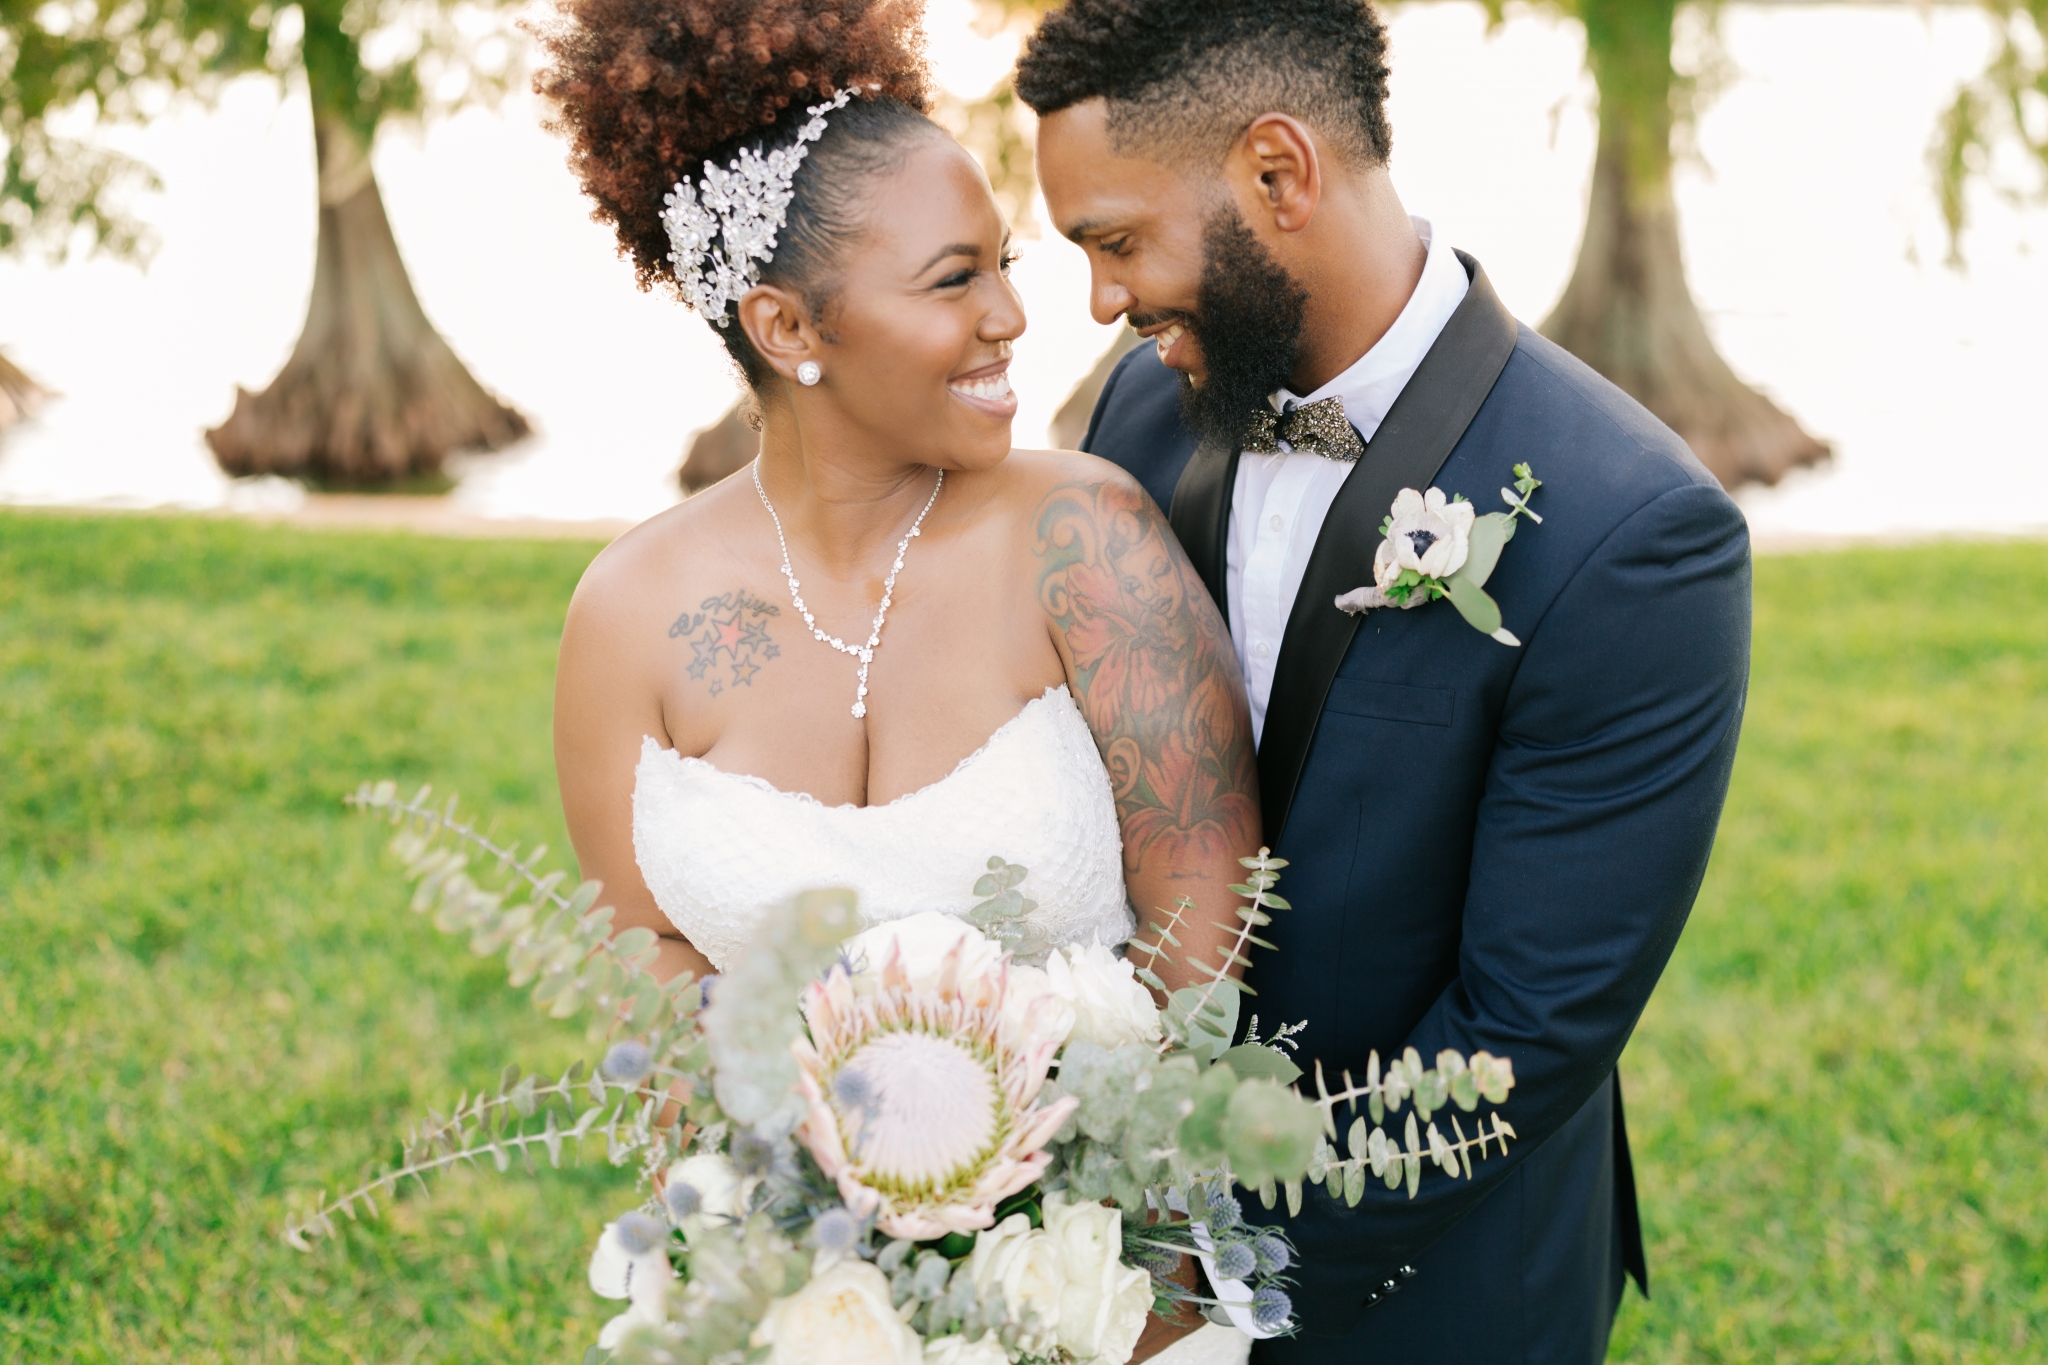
1443,548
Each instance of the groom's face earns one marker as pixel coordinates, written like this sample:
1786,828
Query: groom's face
1141,224
1172,252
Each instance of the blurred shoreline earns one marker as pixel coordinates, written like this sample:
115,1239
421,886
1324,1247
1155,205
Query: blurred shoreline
443,515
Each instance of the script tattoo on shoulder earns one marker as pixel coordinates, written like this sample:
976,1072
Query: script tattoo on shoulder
728,637
1154,674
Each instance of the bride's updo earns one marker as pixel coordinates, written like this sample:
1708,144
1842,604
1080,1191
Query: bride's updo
647,91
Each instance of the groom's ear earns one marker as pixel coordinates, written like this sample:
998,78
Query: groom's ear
1277,169
779,325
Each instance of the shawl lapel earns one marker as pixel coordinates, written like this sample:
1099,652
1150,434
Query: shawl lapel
1421,429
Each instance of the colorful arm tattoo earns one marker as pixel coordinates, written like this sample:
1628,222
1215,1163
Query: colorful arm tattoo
1155,676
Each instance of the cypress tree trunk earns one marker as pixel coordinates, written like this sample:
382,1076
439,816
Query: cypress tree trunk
20,396
371,394
721,449
1628,311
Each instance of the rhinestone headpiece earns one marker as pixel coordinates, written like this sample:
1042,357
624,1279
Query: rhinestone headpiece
743,206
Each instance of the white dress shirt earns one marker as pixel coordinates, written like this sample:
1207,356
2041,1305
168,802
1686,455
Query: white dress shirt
1279,501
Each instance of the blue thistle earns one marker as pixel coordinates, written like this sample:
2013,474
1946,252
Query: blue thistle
1271,1308
1273,1255
1236,1261
627,1061
638,1234
681,1199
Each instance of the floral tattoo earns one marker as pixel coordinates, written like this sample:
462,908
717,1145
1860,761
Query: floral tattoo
729,639
1154,674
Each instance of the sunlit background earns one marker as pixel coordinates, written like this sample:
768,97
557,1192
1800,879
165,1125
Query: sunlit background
1810,224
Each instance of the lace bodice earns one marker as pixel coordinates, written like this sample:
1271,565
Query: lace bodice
717,849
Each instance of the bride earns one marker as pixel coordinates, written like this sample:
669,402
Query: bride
893,647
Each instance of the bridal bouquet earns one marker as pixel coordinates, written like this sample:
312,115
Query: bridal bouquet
925,1140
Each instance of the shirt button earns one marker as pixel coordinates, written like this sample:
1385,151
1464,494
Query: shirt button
1277,522
1261,649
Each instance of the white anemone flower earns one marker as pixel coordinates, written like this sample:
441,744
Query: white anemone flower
1429,534
921,1092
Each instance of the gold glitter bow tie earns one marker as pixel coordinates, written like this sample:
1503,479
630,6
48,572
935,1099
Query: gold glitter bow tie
1320,427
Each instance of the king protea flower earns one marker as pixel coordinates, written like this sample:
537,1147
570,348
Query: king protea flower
922,1092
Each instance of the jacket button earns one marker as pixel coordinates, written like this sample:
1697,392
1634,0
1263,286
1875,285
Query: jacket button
1406,1272
1372,1299
1390,1287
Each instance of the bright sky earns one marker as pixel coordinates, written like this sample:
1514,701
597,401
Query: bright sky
1812,238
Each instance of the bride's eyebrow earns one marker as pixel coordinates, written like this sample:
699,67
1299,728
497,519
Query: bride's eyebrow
956,249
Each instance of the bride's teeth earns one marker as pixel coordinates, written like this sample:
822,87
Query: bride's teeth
991,389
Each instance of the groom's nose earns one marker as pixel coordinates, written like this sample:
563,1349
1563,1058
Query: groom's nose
1108,300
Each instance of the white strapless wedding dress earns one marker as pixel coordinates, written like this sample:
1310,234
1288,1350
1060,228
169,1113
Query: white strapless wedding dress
717,849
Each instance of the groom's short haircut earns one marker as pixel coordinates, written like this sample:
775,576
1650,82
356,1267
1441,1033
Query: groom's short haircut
1184,78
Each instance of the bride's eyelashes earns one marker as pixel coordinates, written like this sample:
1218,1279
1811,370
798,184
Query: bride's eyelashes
960,279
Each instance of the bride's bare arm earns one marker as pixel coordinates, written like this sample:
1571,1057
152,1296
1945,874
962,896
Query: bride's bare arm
605,702
1150,662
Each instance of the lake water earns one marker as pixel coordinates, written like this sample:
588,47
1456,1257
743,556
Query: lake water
1812,236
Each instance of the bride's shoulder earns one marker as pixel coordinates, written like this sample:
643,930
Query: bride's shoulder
637,573
1038,476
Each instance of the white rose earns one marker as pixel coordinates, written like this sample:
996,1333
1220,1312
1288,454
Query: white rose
923,940
961,1351
1111,1006
1105,1303
716,1181
1034,1010
842,1317
1023,1265
1429,534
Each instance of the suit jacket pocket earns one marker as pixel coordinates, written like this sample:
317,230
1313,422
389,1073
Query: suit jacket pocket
1391,701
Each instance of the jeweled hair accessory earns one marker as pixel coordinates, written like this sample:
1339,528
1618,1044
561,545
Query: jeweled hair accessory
744,206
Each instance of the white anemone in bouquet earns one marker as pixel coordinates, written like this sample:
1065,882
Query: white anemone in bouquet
921,1075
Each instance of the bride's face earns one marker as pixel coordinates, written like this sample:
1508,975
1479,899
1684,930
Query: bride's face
915,343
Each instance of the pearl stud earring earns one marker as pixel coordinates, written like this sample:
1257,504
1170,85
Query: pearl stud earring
808,373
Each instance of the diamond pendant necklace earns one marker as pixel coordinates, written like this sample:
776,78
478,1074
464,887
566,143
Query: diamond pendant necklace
865,653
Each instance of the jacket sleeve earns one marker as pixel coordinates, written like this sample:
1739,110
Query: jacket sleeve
1617,737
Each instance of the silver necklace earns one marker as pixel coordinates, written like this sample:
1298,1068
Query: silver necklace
865,653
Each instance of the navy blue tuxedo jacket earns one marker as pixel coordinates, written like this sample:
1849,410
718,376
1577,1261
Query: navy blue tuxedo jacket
1492,847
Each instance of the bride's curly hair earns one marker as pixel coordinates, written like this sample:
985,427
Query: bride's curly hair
647,91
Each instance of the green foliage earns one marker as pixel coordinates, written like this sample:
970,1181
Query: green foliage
1838,1096
212,996
2007,102
563,947
1003,915
119,61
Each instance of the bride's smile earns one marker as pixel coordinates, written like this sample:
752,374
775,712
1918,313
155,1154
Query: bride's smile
988,390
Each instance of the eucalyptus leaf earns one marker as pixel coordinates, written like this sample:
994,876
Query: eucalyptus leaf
1489,534
1257,1061
1479,610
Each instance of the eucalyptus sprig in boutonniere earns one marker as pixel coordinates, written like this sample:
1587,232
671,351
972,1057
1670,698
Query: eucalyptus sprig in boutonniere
1443,548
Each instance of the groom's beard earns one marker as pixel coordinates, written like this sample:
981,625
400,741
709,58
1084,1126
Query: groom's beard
1248,322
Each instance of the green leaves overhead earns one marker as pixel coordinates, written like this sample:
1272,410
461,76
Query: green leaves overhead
87,62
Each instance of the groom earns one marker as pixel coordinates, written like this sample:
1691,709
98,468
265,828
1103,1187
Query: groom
1493,846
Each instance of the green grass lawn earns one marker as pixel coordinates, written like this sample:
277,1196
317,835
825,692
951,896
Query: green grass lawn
212,994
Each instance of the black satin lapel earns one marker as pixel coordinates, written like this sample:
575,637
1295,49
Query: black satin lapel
1411,445
1200,515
